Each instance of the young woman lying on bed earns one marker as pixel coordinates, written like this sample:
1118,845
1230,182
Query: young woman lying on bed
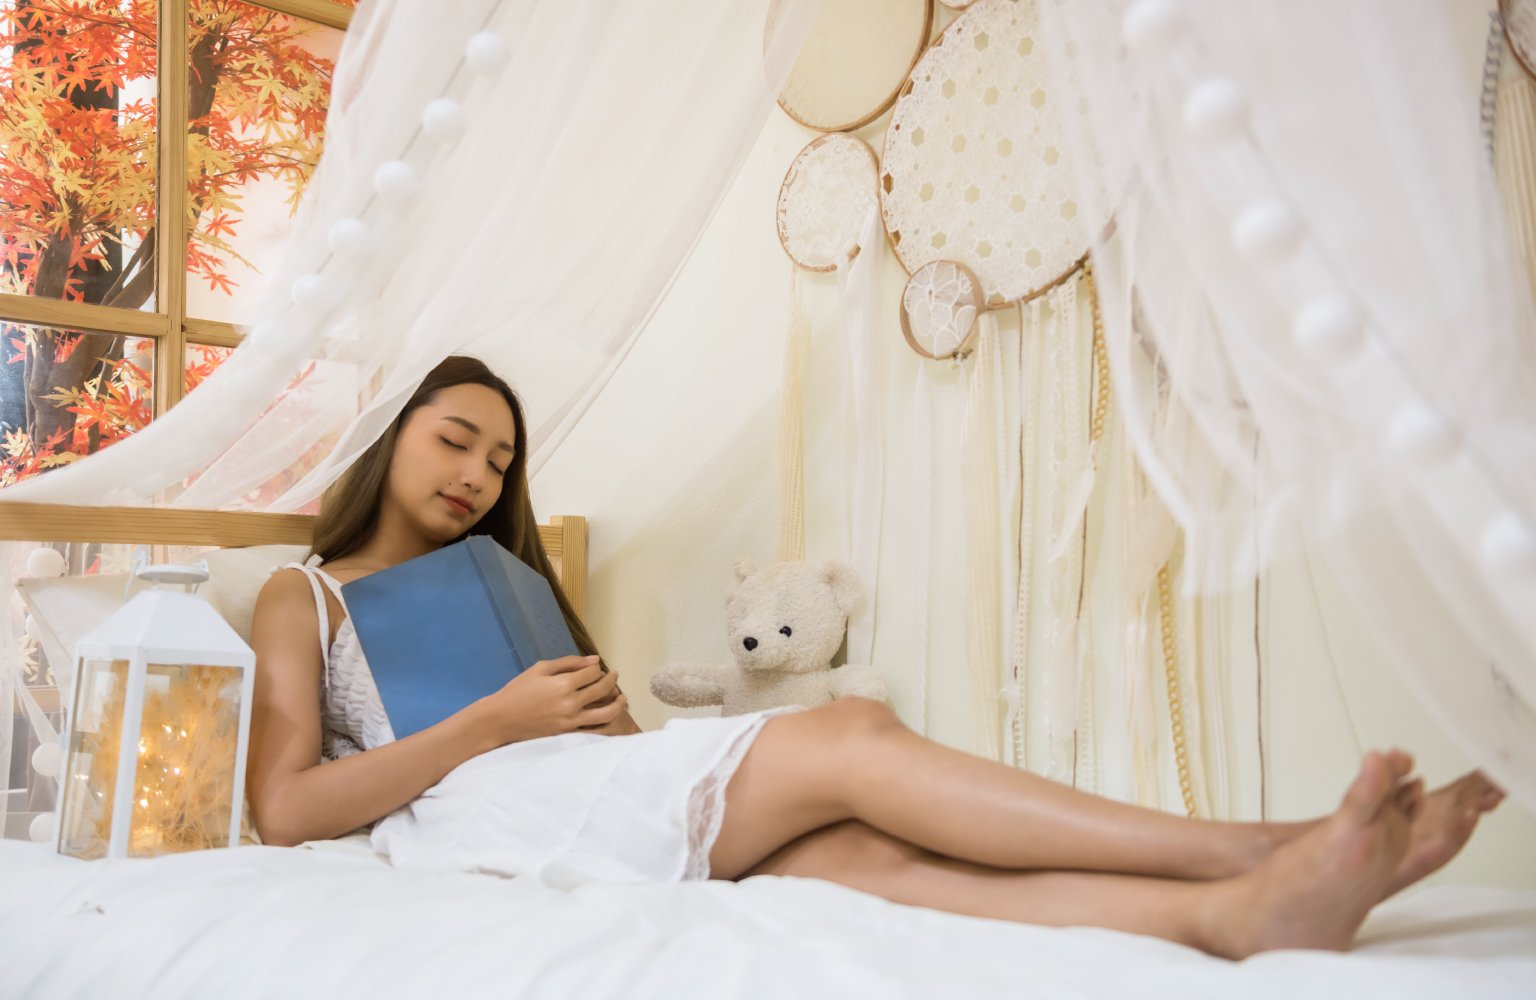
551,777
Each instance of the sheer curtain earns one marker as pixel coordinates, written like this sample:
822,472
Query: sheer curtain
1319,331
518,179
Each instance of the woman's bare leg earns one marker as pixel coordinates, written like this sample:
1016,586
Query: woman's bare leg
853,759
856,855
1314,892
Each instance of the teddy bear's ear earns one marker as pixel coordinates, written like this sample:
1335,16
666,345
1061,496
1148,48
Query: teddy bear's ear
743,568
844,581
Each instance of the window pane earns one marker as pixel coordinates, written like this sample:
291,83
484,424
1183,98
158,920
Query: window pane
200,362
258,92
65,395
77,150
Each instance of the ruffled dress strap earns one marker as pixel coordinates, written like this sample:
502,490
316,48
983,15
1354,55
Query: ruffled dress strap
316,576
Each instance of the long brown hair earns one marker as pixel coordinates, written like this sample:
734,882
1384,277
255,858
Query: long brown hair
349,512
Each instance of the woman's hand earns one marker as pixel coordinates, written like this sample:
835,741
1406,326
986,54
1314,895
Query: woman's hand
553,697
621,725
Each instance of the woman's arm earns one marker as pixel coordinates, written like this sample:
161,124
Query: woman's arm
294,797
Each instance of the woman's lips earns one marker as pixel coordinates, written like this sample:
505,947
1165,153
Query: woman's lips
457,506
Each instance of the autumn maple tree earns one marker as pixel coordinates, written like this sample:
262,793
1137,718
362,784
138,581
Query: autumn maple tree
78,181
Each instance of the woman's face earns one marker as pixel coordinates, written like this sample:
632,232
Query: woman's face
450,460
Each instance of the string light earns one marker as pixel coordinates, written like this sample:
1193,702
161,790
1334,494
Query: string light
187,751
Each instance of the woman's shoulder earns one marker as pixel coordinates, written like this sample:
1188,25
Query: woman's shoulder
287,586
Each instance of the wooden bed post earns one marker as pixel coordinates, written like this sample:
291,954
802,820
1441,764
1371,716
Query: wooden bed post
571,556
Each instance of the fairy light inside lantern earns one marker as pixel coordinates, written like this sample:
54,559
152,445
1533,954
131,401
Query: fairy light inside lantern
157,727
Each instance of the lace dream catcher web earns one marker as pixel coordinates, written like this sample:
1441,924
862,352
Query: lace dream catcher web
825,196
939,309
975,167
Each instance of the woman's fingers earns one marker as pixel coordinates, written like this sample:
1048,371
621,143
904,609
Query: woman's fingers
604,714
565,664
601,684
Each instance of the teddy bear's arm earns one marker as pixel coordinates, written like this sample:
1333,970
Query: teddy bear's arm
859,681
690,685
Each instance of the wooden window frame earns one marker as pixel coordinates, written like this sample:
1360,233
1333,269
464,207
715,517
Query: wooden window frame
168,326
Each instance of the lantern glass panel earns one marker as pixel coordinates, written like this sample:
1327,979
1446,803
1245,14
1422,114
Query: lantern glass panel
188,739
85,812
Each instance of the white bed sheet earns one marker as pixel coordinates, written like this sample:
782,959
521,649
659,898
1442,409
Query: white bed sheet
339,922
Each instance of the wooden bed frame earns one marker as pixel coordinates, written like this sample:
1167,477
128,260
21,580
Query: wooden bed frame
564,537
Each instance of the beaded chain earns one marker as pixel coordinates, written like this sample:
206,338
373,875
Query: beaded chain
1100,360
1175,701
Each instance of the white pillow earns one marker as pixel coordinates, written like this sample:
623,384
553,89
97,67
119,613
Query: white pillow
65,608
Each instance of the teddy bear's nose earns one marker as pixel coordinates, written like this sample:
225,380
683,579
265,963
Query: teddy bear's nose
750,643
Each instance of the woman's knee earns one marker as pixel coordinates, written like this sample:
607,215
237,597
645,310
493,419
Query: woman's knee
854,714
850,852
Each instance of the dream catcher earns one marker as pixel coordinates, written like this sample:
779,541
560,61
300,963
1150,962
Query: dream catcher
847,74
979,197
857,56
827,216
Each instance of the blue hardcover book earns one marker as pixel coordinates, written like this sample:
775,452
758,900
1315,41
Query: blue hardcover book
445,629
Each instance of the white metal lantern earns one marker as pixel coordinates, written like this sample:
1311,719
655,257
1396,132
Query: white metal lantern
158,722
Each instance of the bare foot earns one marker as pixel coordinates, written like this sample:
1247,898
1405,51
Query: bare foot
1315,890
1442,825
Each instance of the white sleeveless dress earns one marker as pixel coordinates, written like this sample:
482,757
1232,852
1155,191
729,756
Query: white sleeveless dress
572,808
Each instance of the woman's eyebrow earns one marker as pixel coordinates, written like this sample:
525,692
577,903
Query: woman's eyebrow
471,427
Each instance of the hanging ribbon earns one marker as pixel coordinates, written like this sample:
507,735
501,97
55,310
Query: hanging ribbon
792,427
1071,482
1031,367
1514,159
979,451
922,447
856,280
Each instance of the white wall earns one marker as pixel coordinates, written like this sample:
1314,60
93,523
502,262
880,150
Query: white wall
674,466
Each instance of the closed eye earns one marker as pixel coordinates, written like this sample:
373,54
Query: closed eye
460,447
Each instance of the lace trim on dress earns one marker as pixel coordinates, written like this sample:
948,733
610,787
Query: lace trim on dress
706,803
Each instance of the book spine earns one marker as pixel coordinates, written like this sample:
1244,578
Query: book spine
495,584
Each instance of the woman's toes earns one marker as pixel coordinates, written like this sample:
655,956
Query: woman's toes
1369,790
1410,798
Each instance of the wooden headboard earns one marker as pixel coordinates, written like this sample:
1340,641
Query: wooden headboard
564,537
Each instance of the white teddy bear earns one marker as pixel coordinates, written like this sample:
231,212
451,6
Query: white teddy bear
785,623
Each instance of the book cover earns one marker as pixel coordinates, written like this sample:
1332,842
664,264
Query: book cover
445,629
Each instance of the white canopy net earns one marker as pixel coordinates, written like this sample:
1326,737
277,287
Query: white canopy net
515,179
1320,334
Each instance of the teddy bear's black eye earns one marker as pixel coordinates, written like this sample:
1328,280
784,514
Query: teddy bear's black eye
786,631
